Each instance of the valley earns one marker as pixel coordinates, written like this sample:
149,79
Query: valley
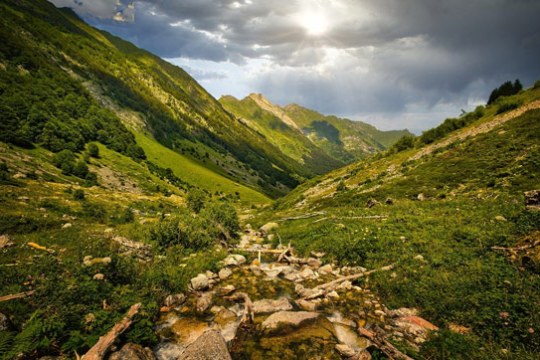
242,229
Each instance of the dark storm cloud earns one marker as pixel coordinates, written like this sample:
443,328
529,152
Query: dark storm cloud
384,56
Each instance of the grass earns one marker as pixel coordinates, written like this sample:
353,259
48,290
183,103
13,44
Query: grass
196,174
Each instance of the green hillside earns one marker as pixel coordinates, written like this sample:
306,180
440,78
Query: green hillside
50,54
444,210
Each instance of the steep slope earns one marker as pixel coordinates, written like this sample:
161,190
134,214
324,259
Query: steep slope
449,211
298,132
282,132
169,105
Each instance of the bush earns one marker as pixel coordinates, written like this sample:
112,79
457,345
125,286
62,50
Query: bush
406,142
93,150
506,89
196,199
64,160
78,194
223,219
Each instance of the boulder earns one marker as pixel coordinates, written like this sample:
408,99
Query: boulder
308,305
204,301
133,352
175,300
209,346
286,321
325,270
234,260
345,350
224,273
200,282
5,241
226,290
268,306
268,227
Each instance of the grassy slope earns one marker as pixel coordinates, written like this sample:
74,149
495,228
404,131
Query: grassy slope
196,174
458,279
290,141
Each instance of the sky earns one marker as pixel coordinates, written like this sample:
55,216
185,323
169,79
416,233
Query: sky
392,63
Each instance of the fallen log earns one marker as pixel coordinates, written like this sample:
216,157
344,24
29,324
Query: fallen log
377,338
248,315
305,216
517,248
321,289
99,350
17,296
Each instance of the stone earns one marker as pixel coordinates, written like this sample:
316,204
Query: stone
318,254
415,325
308,305
532,200
500,218
209,346
286,321
5,241
389,201
307,274
421,197
175,300
345,350
419,258
210,274
371,203
345,285
133,352
67,225
224,316
404,312
164,309
226,290
459,329
168,351
89,261
268,227
224,273
325,270
268,306
234,260
314,263
333,295
200,282
99,277
5,324
204,302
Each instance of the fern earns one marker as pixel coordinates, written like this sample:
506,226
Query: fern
24,342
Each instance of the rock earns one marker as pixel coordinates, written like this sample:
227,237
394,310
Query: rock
224,273
317,254
5,241
421,197
333,295
363,355
268,306
379,313
389,201
67,225
345,285
108,230
286,321
200,282
210,275
209,346
187,330
307,274
19,176
225,316
164,309
314,263
459,329
266,228
500,218
226,290
325,270
532,200
371,203
168,351
99,277
204,302
5,324
345,350
401,312
419,258
175,300
133,352
308,305
234,260
415,325
138,249
228,323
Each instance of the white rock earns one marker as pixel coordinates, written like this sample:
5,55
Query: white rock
66,225
200,282
268,306
266,228
345,350
224,273
234,260
325,270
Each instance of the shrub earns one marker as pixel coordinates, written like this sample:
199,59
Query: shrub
506,89
406,142
93,150
196,199
223,219
78,194
64,160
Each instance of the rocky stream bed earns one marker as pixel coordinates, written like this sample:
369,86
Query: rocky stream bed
272,304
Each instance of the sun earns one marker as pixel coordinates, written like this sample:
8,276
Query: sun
315,23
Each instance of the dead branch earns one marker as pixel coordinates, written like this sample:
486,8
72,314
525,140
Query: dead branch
98,351
384,345
248,315
517,248
373,217
305,216
17,296
284,252
319,290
